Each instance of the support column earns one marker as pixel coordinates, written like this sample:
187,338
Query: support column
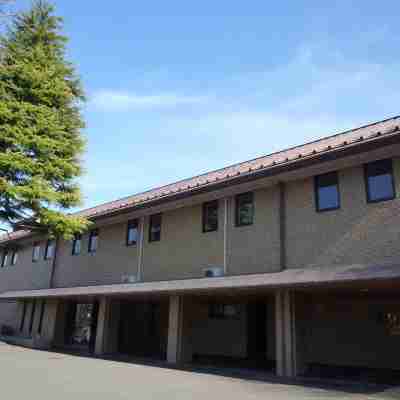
47,338
179,335
287,361
102,326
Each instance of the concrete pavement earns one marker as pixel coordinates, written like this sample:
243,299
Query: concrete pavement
32,374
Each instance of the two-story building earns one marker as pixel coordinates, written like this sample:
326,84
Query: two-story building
288,262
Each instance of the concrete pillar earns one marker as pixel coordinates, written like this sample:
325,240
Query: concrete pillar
287,352
179,331
102,326
49,323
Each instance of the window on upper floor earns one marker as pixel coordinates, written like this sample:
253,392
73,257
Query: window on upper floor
36,252
93,241
327,192
4,260
14,256
155,228
49,250
77,245
132,232
244,209
379,181
210,216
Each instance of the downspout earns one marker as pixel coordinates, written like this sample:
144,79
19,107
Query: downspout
140,254
282,224
226,224
53,265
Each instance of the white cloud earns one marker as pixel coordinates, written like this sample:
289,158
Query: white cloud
112,100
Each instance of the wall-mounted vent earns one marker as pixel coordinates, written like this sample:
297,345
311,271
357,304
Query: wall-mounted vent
129,278
213,272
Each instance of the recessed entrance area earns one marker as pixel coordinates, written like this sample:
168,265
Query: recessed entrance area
143,328
233,332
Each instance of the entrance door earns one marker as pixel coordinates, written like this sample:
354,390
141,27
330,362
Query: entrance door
256,331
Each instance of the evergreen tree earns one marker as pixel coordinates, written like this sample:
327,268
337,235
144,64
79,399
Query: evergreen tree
40,126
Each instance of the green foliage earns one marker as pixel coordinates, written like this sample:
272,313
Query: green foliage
40,126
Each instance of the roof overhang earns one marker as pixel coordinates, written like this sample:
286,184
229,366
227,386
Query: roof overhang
290,278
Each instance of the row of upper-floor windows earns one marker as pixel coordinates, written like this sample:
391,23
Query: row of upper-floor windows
379,185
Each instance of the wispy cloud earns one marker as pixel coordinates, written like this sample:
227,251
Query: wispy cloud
112,100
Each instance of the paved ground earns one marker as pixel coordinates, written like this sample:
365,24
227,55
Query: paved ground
43,375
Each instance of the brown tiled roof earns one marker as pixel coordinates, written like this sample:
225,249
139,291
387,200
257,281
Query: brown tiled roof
315,149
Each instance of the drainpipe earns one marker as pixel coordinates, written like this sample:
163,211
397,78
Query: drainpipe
140,253
226,225
282,224
53,264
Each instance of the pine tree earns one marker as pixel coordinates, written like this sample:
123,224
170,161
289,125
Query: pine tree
40,126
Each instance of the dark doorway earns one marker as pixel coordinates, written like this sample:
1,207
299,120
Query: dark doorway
257,332
81,325
143,329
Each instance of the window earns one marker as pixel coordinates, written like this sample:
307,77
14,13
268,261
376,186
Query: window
93,241
23,316
244,209
327,192
36,252
155,228
77,245
210,216
33,309
42,309
223,311
4,260
379,181
14,257
132,233
49,251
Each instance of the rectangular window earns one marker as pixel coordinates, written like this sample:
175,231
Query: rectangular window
379,181
132,233
33,309
4,260
244,209
14,257
23,316
93,241
155,228
327,192
36,252
223,311
49,251
210,216
42,309
77,245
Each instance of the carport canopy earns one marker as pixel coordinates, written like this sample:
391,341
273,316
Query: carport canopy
289,279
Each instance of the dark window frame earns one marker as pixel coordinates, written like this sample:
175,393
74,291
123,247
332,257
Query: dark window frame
366,181
77,238
132,224
93,233
238,200
49,244
218,311
36,245
316,192
206,206
154,218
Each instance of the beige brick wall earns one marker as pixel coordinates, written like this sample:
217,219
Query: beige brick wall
26,274
256,248
184,250
356,233
112,260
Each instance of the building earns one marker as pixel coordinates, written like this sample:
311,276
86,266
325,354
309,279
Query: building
288,262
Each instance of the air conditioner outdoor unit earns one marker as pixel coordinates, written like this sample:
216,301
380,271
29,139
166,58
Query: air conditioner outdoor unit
129,278
213,272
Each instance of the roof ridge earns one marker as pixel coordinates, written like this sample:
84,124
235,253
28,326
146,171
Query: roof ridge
239,163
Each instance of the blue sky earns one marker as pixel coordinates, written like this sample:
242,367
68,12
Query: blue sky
176,88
